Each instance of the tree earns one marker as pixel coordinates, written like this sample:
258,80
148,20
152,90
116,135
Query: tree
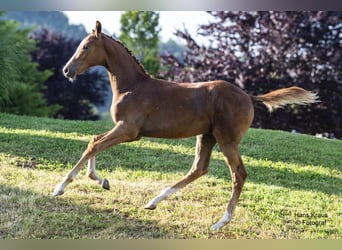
78,99
20,82
140,33
14,47
172,47
263,51
26,95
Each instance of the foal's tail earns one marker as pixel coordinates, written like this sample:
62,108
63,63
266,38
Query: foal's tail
282,97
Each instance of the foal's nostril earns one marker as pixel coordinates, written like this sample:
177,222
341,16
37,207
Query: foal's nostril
65,70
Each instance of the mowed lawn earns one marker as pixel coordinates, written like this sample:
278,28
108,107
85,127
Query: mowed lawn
293,188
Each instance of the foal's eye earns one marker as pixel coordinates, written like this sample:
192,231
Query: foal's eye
86,46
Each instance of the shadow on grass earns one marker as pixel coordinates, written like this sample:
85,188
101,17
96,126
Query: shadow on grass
26,215
62,152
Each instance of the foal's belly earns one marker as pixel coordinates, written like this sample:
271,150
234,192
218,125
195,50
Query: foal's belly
175,127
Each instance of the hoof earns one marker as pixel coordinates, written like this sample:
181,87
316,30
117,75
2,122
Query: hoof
59,190
217,226
150,206
105,184
57,193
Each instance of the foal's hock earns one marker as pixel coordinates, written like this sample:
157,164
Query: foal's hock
215,112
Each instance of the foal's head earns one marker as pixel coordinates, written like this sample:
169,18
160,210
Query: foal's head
89,53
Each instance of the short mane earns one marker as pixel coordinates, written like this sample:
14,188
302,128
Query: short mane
130,53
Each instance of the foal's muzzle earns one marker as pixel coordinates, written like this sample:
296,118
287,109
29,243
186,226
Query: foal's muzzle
69,73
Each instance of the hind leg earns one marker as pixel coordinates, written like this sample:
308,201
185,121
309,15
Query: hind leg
238,174
204,146
91,172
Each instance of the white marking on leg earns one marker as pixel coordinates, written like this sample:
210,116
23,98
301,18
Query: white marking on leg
91,165
227,217
163,195
59,189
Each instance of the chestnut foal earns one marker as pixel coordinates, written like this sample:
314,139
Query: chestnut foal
215,112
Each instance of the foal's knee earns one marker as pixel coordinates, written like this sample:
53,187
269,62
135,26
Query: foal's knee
91,148
89,151
92,141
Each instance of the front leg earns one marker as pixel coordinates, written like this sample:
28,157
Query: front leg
59,189
120,133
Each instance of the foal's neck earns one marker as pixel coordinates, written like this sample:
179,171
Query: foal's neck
124,70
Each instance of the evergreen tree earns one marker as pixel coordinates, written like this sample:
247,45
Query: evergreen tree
140,33
21,82
12,52
26,96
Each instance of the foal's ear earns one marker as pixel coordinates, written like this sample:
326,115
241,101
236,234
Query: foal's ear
98,29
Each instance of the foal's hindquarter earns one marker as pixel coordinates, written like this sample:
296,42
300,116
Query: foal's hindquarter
222,118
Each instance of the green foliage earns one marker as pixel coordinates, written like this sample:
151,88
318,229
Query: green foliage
27,97
140,33
21,83
293,189
12,51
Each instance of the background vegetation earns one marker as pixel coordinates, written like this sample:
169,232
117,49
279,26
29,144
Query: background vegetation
33,83
80,99
21,83
266,50
140,33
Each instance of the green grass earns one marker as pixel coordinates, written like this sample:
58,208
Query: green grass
293,188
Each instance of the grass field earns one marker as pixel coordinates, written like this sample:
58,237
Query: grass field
293,188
